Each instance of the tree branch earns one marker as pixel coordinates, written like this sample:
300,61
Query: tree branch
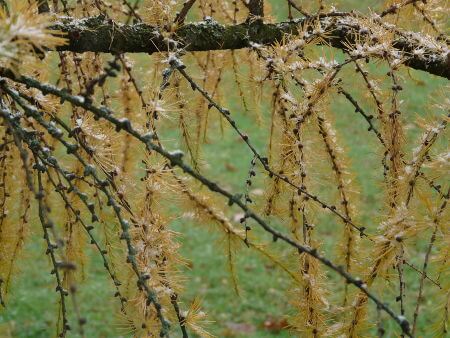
176,161
184,11
99,34
297,7
396,7
43,6
4,6
255,7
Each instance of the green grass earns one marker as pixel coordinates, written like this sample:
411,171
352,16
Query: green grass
32,303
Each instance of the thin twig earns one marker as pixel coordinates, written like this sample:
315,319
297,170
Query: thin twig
181,16
396,7
425,263
298,8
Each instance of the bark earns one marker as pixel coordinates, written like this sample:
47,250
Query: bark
256,7
43,7
99,34
184,11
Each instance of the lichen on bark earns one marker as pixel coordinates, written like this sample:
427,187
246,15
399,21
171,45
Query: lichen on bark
100,34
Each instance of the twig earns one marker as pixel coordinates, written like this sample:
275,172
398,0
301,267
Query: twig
298,8
181,16
423,274
176,160
425,263
263,160
45,222
368,118
396,7
43,7
102,184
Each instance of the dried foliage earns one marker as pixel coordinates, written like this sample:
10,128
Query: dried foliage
83,160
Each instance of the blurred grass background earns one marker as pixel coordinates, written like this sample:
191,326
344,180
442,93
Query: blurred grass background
32,304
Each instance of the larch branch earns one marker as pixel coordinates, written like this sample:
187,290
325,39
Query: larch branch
99,34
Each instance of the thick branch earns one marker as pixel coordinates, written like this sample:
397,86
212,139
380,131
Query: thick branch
98,34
